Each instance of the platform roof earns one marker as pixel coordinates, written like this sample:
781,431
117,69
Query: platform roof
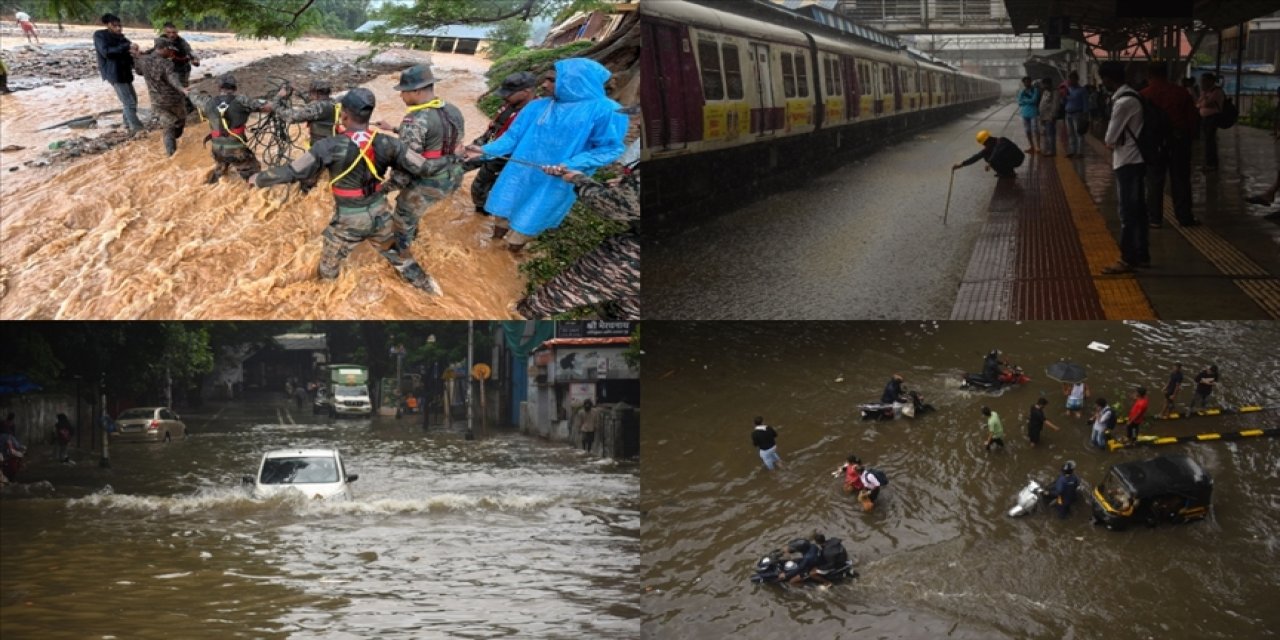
1103,15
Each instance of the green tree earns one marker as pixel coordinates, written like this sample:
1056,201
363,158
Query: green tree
507,36
60,11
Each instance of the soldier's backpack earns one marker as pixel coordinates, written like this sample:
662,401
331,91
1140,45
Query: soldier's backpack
1153,138
1229,114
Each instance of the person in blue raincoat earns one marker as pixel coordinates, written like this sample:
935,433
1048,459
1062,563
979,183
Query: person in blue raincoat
578,129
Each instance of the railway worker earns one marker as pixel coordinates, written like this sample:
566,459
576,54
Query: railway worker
1175,160
516,91
183,58
610,273
168,102
228,116
1029,109
1126,162
431,128
578,129
360,159
1001,154
320,112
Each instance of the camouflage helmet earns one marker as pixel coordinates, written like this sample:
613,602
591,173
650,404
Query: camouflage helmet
359,101
418,76
321,86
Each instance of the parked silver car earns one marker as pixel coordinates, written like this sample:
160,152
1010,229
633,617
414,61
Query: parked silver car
149,424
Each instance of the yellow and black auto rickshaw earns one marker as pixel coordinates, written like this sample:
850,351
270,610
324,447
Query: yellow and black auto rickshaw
1171,488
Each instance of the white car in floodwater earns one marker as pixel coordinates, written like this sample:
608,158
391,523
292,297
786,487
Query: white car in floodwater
316,473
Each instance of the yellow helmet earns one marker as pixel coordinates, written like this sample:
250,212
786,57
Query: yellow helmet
983,135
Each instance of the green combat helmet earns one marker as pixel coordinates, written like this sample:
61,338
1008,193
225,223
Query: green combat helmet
418,76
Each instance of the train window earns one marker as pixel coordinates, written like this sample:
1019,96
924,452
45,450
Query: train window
788,77
732,72
836,88
712,81
886,78
802,77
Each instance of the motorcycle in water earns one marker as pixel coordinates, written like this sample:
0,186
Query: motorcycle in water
1028,499
772,569
1008,377
890,410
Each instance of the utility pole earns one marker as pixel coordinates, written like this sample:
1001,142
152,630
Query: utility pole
470,363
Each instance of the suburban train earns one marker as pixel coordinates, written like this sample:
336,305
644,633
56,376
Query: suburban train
742,97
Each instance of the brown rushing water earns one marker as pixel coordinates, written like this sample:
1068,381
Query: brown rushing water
132,234
504,537
938,556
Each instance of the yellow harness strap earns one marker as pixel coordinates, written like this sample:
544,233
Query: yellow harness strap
222,115
337,113
367,160
434,104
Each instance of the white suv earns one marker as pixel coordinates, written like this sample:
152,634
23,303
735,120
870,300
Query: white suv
317,473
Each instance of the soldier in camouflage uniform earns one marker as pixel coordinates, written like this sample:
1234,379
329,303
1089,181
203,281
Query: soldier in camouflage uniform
360,159
320,113
168,101
228,115
183,56
611,271
516,91
431,127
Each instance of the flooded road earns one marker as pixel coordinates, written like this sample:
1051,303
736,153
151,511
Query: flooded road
130,233
938,556
505,537
851,244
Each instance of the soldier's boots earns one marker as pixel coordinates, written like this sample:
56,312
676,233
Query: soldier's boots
499,232
418,277
213,176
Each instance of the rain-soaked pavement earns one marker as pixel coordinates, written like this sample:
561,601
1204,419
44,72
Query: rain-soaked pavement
131,233
938,556
503,537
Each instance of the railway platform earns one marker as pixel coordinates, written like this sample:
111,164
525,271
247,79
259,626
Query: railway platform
1049,233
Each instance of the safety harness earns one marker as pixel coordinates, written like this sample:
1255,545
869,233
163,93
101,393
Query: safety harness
236,133
449,140
369,188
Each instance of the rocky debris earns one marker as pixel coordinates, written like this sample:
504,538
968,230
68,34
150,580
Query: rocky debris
79,146
31,66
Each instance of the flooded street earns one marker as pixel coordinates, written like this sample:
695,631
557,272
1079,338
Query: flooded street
938,556
504,537
129,233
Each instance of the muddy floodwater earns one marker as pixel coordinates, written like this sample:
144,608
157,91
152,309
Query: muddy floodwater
131,233
938,556
446,538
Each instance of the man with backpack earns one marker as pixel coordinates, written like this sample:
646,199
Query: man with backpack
833,558
872,481
1123,133
1180,109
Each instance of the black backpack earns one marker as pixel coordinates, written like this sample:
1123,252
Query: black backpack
834,555
880,475
1154,136
1229,114
1111,419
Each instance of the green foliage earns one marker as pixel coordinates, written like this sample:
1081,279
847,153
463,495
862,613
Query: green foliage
556,249
535,61
1262,114
507,36
60,11
257,19
633,352
429,14
490,104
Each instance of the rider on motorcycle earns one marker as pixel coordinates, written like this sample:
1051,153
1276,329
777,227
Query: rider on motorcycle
993,366
894,391
834,557
796,571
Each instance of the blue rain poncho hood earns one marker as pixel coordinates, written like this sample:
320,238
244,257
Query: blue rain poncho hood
579,128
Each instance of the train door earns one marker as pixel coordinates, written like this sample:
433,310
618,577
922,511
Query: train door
762,119
672,105
897,77
852,90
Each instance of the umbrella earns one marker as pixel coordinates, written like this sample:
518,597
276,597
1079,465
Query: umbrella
1064,371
